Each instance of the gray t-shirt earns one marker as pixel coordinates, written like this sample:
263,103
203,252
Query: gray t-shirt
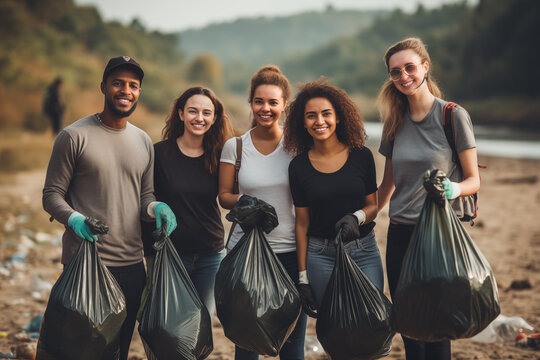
103,173
420,146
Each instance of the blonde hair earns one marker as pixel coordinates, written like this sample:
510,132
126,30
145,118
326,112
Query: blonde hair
391,102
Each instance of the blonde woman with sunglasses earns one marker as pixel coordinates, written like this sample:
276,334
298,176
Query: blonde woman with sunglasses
413,141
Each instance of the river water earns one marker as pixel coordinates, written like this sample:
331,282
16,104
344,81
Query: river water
498,141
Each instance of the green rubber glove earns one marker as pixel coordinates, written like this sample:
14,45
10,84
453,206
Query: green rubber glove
165,214
451,189
77,222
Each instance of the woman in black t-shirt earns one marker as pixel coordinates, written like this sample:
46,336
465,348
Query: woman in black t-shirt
333,186
186,175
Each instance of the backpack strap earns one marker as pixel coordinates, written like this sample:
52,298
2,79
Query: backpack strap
448,125
237,163
236,190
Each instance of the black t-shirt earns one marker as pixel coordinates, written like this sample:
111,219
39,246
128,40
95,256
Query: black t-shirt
329,196
183,183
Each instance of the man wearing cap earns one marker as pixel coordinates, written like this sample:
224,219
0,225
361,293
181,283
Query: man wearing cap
102,167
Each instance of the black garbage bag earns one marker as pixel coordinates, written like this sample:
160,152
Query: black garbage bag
250,212
86,308
174,322
446,289
256,301
354,318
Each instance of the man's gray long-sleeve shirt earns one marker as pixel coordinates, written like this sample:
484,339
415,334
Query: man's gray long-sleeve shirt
106,174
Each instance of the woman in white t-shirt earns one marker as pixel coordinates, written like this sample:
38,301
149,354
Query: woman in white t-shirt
264,175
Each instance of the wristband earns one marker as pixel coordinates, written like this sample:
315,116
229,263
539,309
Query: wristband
456,190
302,277
451,189
361,216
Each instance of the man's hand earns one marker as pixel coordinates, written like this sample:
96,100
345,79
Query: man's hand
77,222
164,214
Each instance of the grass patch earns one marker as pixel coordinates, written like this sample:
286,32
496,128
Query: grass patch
22,151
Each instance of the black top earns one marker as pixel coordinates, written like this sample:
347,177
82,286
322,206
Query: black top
183,183
329,196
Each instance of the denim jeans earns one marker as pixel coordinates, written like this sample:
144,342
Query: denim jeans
321,256
202,270
293,349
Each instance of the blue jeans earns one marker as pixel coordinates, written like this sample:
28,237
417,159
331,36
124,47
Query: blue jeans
202,270
321,256
293,349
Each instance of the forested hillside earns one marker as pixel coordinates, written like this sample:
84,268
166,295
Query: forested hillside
484,56
42,39
267,39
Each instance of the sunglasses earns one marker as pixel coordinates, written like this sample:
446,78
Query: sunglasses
409,69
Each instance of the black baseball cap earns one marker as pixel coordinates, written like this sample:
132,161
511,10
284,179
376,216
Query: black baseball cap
123,61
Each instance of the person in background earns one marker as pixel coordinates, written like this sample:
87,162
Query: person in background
102,167
413,141
53,106
263,174
186,177
333,186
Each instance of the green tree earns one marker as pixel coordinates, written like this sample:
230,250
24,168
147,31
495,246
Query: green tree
206,69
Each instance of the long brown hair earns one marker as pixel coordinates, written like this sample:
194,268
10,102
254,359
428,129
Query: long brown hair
269,75
349,130
391,102
214,139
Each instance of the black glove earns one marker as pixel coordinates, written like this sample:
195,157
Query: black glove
308,302
349,228
97,227
433,183
249,212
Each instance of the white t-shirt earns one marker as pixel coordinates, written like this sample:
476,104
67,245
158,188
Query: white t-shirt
265,177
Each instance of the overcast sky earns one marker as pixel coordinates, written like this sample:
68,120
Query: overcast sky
174,15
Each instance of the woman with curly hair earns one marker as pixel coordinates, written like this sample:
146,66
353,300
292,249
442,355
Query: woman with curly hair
186,176
333,186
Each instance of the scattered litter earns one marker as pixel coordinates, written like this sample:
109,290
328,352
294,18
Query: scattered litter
521,284
4,272
39,288
3,334
9,355
312,346
531,341
26,351
503,329
22,337
17,301
35,324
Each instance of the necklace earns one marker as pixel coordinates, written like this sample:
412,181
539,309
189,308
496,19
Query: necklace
99,118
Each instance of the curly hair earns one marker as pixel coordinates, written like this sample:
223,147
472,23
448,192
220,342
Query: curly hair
350,129
269,75
214,138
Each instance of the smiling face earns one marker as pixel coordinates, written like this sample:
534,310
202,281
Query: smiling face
267,105
320,119
198,115
121,89
407,83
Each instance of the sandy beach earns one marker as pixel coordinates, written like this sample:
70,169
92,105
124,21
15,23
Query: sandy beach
507,231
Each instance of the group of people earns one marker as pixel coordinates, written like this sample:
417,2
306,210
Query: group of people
315,170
